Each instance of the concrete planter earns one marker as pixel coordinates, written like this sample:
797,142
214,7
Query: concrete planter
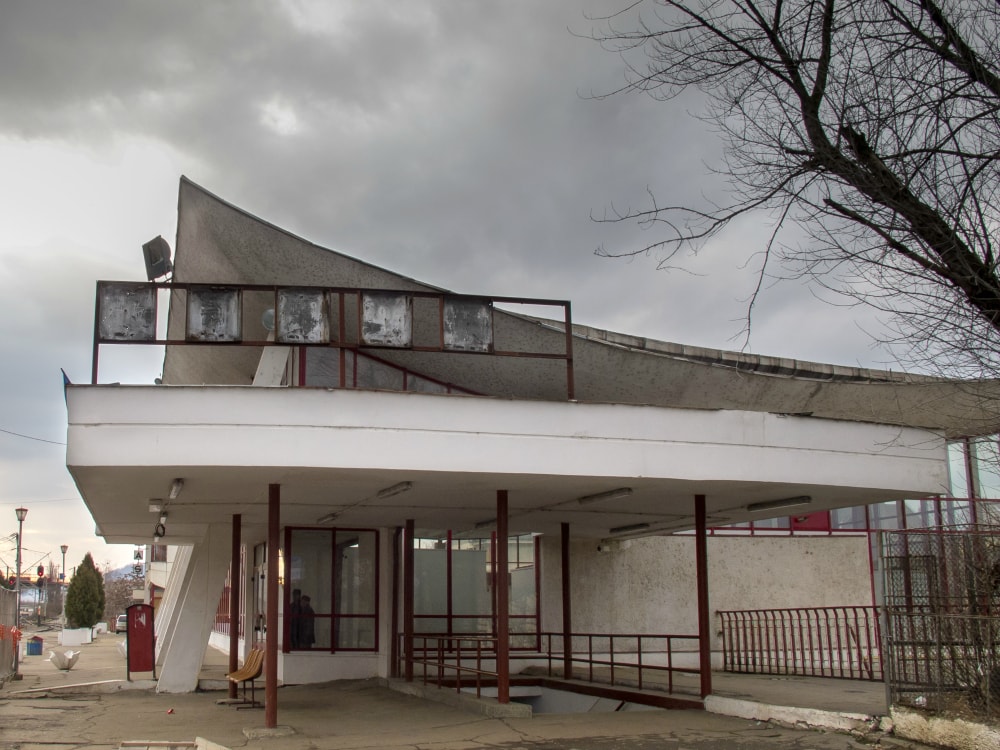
76,636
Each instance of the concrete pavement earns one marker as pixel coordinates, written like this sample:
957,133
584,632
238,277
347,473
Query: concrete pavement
92,706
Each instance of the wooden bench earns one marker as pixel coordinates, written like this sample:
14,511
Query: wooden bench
251,670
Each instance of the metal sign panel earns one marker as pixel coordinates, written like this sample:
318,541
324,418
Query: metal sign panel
214,314
140,641
387,319
468,325
303,317
127,312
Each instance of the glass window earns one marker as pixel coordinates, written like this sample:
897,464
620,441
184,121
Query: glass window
987,465
957,477
920,514
332,589
849,518
884,515
772,524
356,602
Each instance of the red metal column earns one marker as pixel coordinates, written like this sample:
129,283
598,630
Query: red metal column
409,577
501,577
566,607
271,622
704,621
234,600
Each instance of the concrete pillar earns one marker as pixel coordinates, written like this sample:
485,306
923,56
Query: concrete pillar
199,585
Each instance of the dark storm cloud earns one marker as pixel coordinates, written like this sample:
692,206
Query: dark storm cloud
455,142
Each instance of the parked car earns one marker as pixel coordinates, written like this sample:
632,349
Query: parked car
121,623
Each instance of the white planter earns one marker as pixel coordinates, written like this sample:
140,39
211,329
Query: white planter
75,636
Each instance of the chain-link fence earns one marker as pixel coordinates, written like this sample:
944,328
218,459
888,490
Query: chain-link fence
942,636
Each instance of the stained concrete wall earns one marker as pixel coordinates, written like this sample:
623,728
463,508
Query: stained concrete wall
648,585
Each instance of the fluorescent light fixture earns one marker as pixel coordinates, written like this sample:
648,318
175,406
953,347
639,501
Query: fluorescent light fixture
155,506
609,495
175,488
327,518
396,489
628,528
788,502
485,524
163,517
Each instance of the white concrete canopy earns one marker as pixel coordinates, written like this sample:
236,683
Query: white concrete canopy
332,451
665,420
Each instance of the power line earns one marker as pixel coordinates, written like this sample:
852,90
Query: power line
30,437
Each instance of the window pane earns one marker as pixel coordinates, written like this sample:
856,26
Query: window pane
356,572
848,518
356,632
956,470
885,515
987,465
310,565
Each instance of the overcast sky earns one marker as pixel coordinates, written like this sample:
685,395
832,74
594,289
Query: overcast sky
454,142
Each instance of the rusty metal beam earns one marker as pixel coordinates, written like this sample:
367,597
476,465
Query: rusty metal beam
409,578
704,619
567,610
501,577
235,580
271,618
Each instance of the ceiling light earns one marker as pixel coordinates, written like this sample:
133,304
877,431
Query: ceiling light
155,506
788,502
628,528
396,489
175,488
327,518
609,495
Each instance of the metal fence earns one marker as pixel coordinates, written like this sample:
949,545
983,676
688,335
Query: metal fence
808,641
942,595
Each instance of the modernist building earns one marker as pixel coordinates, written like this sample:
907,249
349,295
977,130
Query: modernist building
318,416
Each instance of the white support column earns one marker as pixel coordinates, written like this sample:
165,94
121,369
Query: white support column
194,612
168,609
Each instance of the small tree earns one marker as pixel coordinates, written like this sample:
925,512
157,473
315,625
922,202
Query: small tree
85,596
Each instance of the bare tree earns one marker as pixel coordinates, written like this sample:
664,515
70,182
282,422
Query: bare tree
874,125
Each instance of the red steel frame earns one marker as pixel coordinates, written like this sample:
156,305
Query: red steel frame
341,341
840,642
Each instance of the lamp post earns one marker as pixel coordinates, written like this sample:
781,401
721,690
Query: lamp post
62,581
21,513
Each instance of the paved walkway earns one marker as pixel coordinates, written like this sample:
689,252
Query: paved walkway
92,706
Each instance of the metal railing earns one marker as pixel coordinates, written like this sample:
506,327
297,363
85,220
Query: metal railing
629,659
461,656
838,642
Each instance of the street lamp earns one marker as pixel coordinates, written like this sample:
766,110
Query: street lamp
21,513
62,581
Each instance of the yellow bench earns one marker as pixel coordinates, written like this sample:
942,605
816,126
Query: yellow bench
251,670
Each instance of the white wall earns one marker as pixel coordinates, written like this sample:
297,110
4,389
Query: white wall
648,586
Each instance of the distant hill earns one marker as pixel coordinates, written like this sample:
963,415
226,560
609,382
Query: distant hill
125,571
